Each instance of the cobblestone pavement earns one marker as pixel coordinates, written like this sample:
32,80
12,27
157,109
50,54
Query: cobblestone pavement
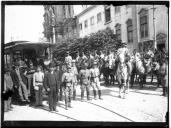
140,105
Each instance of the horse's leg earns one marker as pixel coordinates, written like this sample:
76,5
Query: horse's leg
152,77
119,83
124,89
127,84
132,79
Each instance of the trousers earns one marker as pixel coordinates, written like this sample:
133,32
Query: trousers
95,83
30,78
38,95
53,93
67,93
22,87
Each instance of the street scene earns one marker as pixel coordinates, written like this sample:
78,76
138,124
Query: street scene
102,63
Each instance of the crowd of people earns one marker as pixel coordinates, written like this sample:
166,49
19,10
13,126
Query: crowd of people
59,79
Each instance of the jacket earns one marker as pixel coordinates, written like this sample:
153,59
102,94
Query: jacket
48,83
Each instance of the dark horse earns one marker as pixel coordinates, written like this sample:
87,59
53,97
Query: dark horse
107,71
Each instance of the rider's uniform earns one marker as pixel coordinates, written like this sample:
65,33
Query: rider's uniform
110,59
150,53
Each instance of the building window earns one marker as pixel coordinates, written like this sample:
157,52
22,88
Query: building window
85,23
118,31
107,14
99,18
129,31
143,23
117,9
80,26
92,20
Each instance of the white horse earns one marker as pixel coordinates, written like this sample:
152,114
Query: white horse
123,76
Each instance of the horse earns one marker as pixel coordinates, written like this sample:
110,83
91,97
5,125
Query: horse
106,71
123,75
142,67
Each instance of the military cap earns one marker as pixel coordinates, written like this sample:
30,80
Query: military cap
95,63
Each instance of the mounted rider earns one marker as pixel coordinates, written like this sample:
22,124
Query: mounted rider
124,56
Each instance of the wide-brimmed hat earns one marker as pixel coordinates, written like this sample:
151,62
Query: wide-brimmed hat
52,65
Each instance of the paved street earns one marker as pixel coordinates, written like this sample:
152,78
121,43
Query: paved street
141,105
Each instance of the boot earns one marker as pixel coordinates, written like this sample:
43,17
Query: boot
74,95
82,96
88,95
69,102
66,104
99,92
94,91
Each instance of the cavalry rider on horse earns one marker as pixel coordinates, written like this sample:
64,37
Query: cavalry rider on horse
123,53
110,59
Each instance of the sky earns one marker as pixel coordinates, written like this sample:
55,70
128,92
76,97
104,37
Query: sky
25,22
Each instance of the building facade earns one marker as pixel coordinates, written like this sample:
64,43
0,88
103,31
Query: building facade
59,23
121,19
152,26
132,24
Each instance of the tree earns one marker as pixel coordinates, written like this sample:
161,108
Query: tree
102,40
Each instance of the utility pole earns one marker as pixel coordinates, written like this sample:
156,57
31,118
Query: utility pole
154,27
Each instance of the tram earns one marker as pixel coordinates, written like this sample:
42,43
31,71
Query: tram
26,50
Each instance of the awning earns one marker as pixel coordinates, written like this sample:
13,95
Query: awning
26,45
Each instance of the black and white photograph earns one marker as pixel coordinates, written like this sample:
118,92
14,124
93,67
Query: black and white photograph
101,62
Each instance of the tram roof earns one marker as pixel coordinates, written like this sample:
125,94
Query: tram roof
27,44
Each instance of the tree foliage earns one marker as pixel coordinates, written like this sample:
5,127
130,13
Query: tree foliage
102,40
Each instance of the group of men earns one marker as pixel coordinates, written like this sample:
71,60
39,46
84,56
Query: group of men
59,79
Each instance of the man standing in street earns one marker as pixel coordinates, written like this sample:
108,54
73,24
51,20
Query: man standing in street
67,79
20,82
38,85
51,84
95,82
84,76
75,77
